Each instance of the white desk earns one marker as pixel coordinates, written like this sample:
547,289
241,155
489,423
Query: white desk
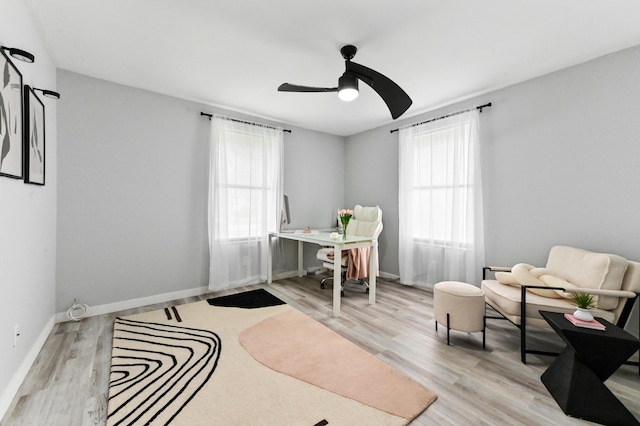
324,239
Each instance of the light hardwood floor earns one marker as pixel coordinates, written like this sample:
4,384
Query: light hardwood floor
68,383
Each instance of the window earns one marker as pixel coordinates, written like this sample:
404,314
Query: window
441,186
247,184
440,199
245,196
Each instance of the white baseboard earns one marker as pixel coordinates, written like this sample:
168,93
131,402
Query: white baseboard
7,395
314,270
167,297
389,277
286,274
136,303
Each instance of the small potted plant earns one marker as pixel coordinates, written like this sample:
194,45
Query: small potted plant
583,302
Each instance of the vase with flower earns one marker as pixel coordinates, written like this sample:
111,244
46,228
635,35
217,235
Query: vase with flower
345,216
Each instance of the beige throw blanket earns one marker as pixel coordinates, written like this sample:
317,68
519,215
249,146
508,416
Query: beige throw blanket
358,263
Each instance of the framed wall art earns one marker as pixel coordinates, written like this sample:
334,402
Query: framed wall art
11,143
34,154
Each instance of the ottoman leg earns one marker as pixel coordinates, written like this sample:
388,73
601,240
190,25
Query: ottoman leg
484,331
448,328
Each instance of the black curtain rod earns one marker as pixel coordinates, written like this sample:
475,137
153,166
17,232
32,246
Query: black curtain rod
445,116
246,122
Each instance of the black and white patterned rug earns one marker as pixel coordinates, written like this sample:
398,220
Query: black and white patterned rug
247,359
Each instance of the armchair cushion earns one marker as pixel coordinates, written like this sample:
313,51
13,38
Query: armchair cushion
523,274
570,267
506,300
528,275
589,270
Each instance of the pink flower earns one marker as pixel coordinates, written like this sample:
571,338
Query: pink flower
345,216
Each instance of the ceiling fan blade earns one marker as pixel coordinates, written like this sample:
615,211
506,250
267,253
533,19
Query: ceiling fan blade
286,87
396,99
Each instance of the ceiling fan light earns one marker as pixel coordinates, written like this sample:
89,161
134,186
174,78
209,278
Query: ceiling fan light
348,87
348,95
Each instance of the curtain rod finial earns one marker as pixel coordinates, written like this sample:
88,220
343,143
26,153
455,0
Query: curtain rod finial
484,106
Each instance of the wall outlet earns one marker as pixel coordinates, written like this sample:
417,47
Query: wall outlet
16,333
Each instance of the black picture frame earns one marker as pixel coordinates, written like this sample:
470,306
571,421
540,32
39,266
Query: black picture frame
34,138
11,119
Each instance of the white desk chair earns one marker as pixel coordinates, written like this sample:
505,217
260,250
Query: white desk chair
366,222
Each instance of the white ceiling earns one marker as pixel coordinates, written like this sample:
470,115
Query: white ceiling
235,53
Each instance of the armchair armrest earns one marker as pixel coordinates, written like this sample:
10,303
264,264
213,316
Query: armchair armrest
622,319
499,268
601,292
523,322
542,287
486,269
593,291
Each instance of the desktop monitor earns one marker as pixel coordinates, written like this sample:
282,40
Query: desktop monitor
285,214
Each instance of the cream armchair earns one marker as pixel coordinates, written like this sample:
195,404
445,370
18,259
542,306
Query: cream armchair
519,293
366,222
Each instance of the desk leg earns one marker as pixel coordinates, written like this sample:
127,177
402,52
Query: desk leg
270,260
337,280
373,261
300,258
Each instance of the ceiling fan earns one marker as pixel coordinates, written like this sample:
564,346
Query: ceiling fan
396,99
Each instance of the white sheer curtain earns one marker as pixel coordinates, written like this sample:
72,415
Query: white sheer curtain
245,196
441,234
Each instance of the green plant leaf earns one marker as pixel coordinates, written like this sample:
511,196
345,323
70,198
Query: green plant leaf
583,300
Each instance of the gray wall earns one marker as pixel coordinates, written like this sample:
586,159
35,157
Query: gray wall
372,180
27,221
132,195
558,155
560,164
314,181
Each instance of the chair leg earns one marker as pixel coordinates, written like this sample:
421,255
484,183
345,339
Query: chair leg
342,282
323,281
523,325
484,329
448,328
365,284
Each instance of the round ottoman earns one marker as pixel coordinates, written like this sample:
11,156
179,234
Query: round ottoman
459,306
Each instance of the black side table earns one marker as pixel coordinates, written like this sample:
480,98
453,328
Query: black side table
576,378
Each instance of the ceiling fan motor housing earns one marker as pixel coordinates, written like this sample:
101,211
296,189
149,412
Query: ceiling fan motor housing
348,52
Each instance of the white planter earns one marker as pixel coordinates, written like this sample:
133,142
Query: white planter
583,314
